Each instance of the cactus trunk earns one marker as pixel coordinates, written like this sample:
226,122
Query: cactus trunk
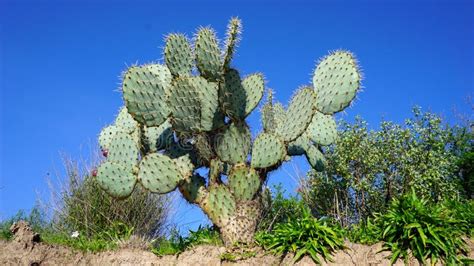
242,225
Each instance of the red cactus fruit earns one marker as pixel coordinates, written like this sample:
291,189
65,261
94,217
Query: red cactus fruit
94,172
105,152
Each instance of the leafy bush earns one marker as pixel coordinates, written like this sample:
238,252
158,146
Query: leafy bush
366,169
279,209
366,232
304,236
427,231
462,211
81,205
176,244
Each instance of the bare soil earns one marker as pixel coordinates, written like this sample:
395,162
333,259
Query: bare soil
27,249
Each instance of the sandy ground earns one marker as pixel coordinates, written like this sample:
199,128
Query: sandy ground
27,249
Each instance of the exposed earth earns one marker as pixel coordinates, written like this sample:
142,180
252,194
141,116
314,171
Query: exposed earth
26,248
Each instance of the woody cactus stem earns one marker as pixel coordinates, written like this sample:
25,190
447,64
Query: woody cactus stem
175,122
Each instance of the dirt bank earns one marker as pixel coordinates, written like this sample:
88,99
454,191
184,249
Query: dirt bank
27,249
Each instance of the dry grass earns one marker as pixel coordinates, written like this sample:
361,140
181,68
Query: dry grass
77,203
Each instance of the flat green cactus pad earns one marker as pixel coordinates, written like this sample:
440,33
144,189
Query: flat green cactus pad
244,182
322,129
159,173
219,204
315,158
233,144
239,98
123,149
125,121
232,38
299,114
116,179
268,150
193,188
254,86
106,136
299,145
185,164
208,54
336,81
144,91
194,103
273,116
178,55
158,138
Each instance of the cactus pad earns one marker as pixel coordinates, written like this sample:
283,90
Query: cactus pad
268,150
244,182
336,81
233,144
159,173
123,149
322,129
219,204
194,103
315,158
106,136
299,145
158,138
144,91
208,54
193,188
273,115
178,55
299,114
239,97
233,36
125,121
116,179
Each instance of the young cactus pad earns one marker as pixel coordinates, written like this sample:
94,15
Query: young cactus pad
190,113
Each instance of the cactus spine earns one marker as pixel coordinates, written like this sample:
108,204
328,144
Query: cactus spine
175,121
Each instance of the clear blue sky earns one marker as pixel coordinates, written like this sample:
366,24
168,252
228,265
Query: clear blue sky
60,62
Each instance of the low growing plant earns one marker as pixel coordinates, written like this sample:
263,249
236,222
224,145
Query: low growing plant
367,232
304,236
280,209
176,244
463,211
104,240
413,227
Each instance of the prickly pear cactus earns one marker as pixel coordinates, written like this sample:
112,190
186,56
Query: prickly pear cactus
190,112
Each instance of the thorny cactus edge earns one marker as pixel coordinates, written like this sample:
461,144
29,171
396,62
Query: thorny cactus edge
189,113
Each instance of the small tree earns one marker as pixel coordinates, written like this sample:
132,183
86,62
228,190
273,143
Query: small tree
186,129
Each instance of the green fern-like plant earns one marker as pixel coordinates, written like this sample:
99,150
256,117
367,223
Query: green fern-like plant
413,227
305,235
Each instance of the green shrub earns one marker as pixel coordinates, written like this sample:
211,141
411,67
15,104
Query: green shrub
462,211
176,244
427,231
305,235
366,232
279,209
